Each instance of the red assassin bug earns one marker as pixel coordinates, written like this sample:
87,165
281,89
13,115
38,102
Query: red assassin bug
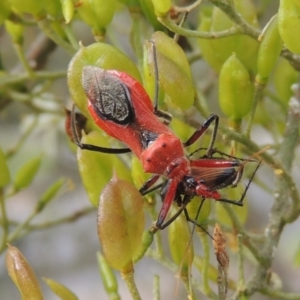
121,107
209,178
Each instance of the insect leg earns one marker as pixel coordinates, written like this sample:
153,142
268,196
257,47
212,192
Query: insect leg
240,202
76,139
167,202
194,221
145,187
161,225
199,132
161,114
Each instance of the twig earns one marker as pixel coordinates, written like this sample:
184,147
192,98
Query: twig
4,221
156,288
167,22
236,18
242,232
22,139
68,219
259,89
18,78
129,279
45,26
290,142
206,253
39,51
280,212
278,294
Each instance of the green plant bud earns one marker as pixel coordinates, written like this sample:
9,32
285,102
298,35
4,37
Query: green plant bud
4,10
289,24
173,78
60,290
32,7
147,240
121,223
161,7
269,49
172,50
241,212
15,30
4,174
53,8
180,243
50,193
96,13
235,89
108,277
284,77
22,275
27,173
175,83
244,46
193,208
67,10
96,168
100,55
205,44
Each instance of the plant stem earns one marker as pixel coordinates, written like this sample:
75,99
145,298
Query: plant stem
241,283
188,287
259,89
22,139
278,294
18,78
46,28
167,22
290,142
282,210
243,234
156,288
206,253
22,226
129,279
4,221
68,219
23,60
236,17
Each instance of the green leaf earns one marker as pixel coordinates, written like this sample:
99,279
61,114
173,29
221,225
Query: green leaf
108,277
60,290
27,173
50,193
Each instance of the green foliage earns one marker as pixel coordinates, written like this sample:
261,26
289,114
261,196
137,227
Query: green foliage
238,56
120,223
235,89
60,290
